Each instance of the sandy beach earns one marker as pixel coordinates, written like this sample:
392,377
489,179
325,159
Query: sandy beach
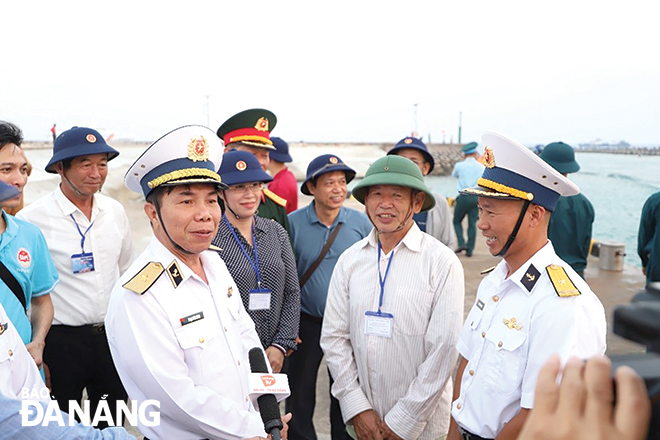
613,288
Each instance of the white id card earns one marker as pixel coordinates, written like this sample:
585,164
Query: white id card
378,324
259,299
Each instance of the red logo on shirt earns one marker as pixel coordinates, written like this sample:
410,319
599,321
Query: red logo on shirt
268,380
24,258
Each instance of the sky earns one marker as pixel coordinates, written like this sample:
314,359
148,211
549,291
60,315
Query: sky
340,71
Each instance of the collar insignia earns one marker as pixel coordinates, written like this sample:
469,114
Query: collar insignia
530,278
174,272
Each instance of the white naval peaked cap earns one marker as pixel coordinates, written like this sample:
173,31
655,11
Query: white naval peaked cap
188,154
513,171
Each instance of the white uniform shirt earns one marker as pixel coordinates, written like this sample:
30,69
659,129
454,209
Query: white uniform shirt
82,298
406,378
198,371
504,360
19,377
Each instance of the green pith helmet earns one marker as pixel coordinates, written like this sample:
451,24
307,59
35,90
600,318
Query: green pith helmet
394,170
561,157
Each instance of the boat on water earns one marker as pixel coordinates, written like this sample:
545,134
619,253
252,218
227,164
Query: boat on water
599,143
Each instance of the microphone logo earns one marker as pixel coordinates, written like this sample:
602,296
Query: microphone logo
268,380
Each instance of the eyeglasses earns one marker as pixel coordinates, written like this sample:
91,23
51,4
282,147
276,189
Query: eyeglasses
245,187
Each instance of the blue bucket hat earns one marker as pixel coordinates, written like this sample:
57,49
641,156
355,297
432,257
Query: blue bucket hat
7,192
326,163
281,151
470,148
241,167
77,142
415,144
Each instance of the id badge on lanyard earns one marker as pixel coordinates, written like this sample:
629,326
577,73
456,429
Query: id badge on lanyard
84,261
378,323
259,298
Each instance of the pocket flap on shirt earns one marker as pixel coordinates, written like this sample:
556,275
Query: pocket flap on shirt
197,334
505,338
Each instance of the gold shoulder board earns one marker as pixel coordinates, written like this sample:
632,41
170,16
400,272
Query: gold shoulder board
561,282
486,271
145,278
274,197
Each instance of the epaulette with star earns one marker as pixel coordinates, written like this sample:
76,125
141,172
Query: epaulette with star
145,278
274,197
561,282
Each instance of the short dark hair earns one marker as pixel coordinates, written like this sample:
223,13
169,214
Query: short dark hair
10,134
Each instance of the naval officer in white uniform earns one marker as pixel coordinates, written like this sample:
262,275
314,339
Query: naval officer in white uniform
177,328
530,306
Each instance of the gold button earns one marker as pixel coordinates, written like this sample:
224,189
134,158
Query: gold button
225,328
499,344
201,339
471,372
11,353
246,399
496,298
483,334
239,362
459,406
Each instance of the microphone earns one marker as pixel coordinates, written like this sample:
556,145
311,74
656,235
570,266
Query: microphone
270,412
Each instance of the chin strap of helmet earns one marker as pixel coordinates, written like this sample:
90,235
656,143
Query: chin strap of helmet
515,230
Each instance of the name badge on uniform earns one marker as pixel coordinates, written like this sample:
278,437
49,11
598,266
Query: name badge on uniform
378,324
82,263
259,299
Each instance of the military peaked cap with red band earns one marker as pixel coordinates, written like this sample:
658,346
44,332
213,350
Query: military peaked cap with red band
249,127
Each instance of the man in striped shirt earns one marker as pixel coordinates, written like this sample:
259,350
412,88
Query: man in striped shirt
393,315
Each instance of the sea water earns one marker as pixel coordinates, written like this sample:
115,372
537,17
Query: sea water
617,185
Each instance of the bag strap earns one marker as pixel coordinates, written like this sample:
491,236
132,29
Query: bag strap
13,285
324,251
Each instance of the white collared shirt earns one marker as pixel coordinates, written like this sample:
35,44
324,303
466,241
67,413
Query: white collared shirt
504,358
83,298
19,377
197,371
405,379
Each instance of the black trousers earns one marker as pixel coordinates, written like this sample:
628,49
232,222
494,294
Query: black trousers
303,368
78,358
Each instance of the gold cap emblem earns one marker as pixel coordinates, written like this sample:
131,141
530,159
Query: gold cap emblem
408,141
262,124
241,166
489,158
333,160
198,149
91,138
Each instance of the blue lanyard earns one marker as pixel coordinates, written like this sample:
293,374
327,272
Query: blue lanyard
382,279
82,239
255,263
